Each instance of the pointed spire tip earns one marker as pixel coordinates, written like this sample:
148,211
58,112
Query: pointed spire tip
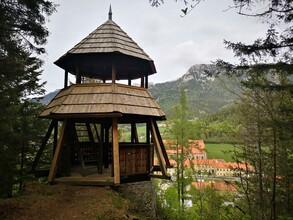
110,13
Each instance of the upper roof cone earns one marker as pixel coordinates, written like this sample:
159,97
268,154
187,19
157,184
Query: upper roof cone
105,47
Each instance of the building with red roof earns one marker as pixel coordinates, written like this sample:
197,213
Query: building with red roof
194,150
196,158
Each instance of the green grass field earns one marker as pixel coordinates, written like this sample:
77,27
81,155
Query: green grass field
216,151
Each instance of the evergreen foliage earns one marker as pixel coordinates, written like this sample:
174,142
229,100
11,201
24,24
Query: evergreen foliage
266,128
22,33
265,111
181,134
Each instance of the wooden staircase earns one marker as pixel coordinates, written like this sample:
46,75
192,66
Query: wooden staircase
87,147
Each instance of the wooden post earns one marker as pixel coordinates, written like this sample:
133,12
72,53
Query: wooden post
134,135
129,82
142,81
55,136
106,128
65,79
148,139
146,81
57,153
151,149
113,74
74,135
116,151
102,158
78,76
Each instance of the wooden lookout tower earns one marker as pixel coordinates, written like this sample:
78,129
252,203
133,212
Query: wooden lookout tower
95,113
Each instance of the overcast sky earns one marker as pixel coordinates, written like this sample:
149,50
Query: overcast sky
173,42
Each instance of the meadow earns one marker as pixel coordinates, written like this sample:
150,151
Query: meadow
219,151
214,150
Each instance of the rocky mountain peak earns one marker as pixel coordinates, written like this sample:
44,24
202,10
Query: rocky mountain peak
199,73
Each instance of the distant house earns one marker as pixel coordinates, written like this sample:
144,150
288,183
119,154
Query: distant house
234,169
196,158
219,167
223,169
194,150
204,165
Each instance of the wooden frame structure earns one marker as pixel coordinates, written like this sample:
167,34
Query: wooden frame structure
115,162
87,150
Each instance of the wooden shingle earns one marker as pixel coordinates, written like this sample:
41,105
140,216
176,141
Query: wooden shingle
111,38
108,45
94,99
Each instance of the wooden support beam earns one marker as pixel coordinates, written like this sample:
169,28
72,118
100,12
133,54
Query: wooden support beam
116,151
113,74
43,145
106,128
65,79
134,135
151,148
146,81
55,136
129,82
160,176
102,158
148,139
78,76
73,131
162,145
90,133
57,153
158,148
142,81
97,133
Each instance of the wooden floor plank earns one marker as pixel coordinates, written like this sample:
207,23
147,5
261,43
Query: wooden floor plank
92,179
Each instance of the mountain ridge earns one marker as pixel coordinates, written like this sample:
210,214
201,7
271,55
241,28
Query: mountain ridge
204,87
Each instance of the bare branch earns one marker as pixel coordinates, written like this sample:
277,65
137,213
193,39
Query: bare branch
187,10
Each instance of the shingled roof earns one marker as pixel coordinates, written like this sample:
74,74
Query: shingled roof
107,38
92,100
108,45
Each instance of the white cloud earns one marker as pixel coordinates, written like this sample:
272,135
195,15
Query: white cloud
174,43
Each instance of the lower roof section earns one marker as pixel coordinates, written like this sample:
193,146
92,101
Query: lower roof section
102,100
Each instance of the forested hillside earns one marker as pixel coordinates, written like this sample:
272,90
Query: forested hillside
205,94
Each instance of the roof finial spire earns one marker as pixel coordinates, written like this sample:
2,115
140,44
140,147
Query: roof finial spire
110,13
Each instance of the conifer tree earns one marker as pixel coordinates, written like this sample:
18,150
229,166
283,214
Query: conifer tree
265,119
22,35
181,134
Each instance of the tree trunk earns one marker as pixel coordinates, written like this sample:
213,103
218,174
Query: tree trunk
273,199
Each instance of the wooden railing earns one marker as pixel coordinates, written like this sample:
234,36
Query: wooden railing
134,158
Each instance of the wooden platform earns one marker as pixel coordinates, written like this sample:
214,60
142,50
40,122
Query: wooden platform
91,178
